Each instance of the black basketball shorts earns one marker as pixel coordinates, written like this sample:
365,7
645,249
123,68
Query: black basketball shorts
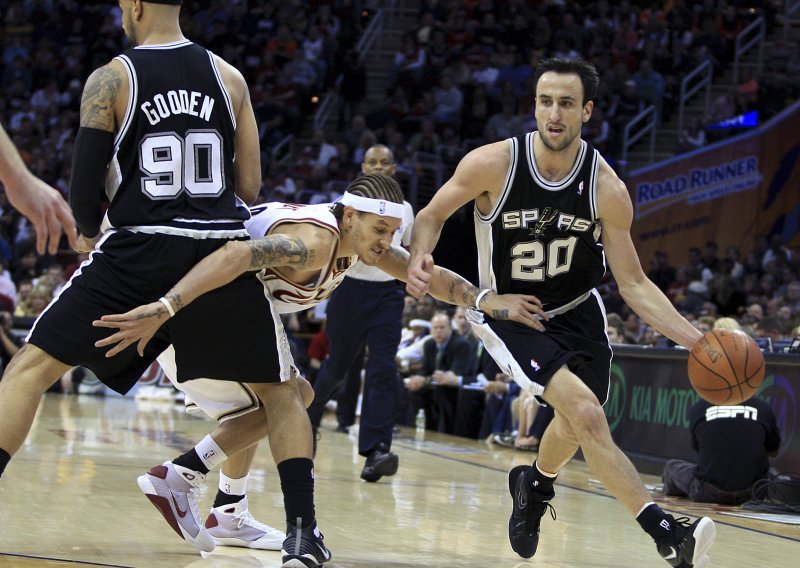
576,338
231,333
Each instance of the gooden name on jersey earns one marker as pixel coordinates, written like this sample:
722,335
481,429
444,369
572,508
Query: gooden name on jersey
173,165
541,237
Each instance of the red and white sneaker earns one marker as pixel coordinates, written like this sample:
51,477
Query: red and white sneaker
171,489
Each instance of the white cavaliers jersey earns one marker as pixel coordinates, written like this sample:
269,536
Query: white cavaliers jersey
288,296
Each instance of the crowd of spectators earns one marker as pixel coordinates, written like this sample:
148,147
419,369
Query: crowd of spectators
758,292
289,52
463,77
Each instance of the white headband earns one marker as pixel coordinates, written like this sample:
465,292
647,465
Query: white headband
369,205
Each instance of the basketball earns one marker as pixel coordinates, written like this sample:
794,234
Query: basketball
726,367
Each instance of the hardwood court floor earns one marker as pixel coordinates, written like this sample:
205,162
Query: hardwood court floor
69,498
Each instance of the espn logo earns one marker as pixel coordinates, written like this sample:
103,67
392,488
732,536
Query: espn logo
746,412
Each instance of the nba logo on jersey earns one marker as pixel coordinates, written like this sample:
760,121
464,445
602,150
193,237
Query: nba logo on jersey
580,188
382,207
209,454
535,365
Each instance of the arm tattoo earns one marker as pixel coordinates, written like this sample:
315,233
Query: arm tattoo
156,313
175,300
470,295
500,314
279,250
97,105
451,290
456,283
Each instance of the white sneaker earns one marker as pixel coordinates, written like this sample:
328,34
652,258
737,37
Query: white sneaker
170,489
702,562
233,525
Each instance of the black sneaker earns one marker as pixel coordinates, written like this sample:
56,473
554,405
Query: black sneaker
526,516
379,463
689,543
303,547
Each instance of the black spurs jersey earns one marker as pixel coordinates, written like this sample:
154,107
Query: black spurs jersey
172,168
542,237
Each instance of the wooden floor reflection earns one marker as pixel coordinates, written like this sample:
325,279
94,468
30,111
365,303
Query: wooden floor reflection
70,498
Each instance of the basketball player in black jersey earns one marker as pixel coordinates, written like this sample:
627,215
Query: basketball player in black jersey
548,212
167,128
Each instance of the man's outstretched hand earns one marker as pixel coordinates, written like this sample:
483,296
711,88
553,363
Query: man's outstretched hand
520,308
420,273
138,325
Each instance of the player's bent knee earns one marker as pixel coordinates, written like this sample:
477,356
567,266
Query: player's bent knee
587,418
259,428
276,395
250,427
306,391
562,429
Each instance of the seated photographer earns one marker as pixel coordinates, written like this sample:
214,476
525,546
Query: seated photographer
734,443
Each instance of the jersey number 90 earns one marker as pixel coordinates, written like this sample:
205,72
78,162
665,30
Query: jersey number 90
171,164
531,261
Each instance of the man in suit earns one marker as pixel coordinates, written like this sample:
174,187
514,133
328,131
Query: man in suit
473,399
446,361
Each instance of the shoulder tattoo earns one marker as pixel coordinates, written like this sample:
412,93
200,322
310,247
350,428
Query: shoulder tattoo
279,250
97,104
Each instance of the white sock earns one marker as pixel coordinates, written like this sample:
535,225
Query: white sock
550,475
231,486
210,453
646,505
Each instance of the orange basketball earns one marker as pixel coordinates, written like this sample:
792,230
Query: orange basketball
726,367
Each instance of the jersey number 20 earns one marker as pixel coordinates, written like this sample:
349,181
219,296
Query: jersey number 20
170,164
531,261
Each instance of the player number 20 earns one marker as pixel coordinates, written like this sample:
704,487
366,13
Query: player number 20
171,164
530,260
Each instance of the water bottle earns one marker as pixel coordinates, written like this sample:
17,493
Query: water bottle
420,422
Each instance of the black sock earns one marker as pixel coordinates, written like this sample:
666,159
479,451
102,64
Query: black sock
655,522
5,457
297,484
541,484
191,460
226,499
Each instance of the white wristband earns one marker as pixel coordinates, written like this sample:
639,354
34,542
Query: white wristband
164,301
480,297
